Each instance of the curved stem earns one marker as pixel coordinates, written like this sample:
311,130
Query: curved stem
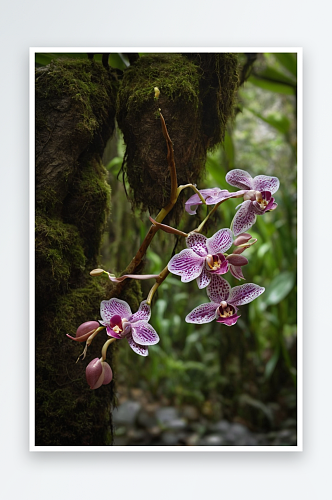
105,347
162,276
192,186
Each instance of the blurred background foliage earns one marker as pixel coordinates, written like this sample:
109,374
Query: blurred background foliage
245,373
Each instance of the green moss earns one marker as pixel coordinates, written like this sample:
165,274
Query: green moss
86,83
197,94
59,253
88,205
174,78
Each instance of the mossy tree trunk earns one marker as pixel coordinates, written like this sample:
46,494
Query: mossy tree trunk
75,109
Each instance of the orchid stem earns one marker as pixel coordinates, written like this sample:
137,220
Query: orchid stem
105,347
180,188
162,276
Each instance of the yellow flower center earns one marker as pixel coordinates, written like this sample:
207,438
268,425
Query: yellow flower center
213,262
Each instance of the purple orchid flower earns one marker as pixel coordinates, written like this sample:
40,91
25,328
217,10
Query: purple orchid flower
120,322
257,199
204,257
211,196
223,302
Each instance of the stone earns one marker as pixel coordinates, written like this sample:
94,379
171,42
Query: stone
126,413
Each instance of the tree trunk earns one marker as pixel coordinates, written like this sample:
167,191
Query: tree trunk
75,109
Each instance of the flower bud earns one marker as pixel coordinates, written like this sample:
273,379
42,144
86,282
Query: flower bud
156,93
237,260
84,331
97,272
98,373
242,239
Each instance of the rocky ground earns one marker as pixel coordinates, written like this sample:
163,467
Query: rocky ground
141,423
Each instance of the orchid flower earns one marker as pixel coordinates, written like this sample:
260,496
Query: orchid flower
121,323
223,302
98,373
257,199
204,257
211,196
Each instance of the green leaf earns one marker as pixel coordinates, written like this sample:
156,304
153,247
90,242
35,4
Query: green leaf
279,288
276,120
229,150
271,364
288,60
273,86
275,75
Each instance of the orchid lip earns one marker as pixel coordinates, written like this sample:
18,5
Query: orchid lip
226,310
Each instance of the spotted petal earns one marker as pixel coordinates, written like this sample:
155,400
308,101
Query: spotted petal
244,218
244,294
218,290
239,178
197,243
139,349
220,241
186,264
266,183
113,307
144,334
144,312
205,313
204,278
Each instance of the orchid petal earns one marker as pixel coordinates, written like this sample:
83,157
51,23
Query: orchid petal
239,178
144,312
112,333
116,321
269,205
256,208
243,294
266,183
144,334
197,243
223,266
186,264
231,320
220,241
244,218
112,307
205,313
139,349
236,271
203,279
274,206
218,290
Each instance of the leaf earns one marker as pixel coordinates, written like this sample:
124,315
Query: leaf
275,75
279,288
288,60
271,364
273,86
229,150
276,120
